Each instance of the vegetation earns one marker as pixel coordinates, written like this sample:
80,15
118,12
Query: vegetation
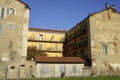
33,51
84,78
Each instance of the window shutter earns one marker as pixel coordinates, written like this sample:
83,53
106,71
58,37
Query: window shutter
10,26
2,12
1,28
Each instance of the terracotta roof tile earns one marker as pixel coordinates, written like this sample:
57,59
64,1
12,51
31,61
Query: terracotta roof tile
42,59
38,29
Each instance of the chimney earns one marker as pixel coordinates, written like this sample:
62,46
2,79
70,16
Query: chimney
113,7
107,5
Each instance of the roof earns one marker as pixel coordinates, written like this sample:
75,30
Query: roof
48,30
42,59
94,13
104,10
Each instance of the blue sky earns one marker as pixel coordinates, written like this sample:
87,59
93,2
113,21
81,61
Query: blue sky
64,14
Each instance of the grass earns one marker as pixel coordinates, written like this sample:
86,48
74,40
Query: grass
85,78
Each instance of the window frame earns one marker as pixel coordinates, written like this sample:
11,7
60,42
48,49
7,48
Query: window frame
104,48
56,47
45,69
1,17
11,11
74,69
40,37
2,31
11,26
40,46
62,69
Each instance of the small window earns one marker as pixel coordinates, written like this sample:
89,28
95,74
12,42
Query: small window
105,49
1,28
32,37
10,26
41,37
11,11
56,47
45,69
40,46
62,69
2,12
22,65
12,67
74,69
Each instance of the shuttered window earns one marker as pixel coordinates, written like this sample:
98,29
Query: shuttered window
10,26
2,12
74,69
11,11
62,69
1,28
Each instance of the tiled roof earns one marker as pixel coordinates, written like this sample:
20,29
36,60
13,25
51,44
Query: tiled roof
48,30
42,59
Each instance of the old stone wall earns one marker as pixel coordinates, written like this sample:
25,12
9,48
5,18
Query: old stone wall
105,41
14,22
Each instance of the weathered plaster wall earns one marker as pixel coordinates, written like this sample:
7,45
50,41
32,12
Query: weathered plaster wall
104,30
13,45
54,70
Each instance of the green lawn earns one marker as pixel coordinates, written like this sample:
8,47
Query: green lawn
85,78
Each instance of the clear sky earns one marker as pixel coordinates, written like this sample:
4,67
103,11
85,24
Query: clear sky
64,14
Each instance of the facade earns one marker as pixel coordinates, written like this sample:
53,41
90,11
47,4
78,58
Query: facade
48,41
58,66
97,40
14,22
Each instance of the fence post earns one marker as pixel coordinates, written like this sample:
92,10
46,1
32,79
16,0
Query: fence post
6,70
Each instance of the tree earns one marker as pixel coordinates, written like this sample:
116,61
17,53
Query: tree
33,51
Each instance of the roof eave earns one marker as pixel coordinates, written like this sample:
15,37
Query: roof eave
25,4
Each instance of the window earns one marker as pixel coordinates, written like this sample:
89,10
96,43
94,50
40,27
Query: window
2,12
11,11
32,37
10,26
45,68
62,69
74,69
1,28
56,47
41,37
40,46
12,67
104,49
22,65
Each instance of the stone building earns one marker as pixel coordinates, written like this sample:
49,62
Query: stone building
48,41
96,39
14,22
